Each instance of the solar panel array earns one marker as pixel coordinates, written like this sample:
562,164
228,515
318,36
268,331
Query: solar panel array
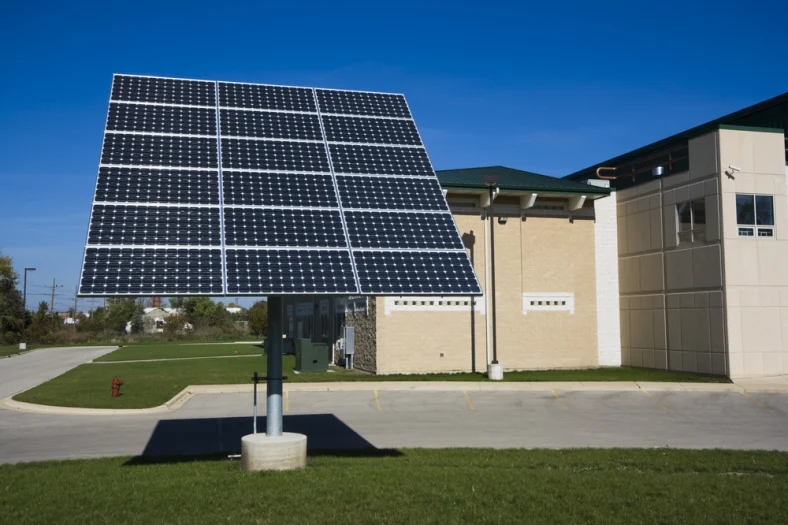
214,188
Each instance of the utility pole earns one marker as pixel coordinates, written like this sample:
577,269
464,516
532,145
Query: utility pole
52,303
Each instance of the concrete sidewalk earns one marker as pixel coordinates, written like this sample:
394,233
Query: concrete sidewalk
25,371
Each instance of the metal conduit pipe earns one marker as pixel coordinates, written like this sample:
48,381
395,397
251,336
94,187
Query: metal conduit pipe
604,177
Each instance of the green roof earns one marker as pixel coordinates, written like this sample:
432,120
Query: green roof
769,115
514,180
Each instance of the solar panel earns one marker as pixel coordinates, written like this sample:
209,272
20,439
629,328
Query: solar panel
283,227
159,185
279,189
382,160
391,193
211,188
370,130
161,119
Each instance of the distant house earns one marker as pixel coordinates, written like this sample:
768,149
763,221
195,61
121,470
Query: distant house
234,309
154,319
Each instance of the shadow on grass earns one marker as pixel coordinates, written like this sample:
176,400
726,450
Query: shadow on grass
211,439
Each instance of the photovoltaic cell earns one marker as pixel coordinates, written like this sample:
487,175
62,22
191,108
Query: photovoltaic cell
148,271
155,225
159,150
274,224
164,90
274,155
370,130
380,160
362,103
279,189
289,271
405,230
258,96
162,119
283,227
270,125
395,273
390,193
166,186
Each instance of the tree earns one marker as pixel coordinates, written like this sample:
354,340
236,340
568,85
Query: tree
258,318
137,319
175,324
45,325
12,311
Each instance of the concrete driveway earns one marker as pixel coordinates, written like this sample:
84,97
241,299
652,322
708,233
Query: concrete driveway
214,423
25,371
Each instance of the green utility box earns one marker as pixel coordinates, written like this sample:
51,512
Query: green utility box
310,357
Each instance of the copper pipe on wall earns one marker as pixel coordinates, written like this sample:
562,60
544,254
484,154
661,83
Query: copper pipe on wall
604,177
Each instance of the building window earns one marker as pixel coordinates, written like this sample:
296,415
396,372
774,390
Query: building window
755,215
691,220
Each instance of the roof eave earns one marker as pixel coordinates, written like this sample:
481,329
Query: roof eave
593,192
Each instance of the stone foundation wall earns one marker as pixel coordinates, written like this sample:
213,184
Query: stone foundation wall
366,337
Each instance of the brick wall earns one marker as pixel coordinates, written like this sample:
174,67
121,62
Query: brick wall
539,254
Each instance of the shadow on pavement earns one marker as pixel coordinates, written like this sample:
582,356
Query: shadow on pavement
177,440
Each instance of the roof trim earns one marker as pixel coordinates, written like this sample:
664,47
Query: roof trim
752,128
515,181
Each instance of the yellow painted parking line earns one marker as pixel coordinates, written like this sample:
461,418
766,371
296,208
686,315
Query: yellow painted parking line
755,400
287,401
468,399
377,399
655,400
563,405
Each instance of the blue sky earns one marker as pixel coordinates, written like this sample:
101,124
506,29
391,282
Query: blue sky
550,87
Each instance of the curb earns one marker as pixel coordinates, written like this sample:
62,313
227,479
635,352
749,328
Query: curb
416,386
173,404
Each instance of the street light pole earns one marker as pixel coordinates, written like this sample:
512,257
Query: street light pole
495,370
23,344
491,218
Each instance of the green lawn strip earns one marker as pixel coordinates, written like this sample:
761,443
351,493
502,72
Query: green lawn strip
149,384
410,487
14,349
174,350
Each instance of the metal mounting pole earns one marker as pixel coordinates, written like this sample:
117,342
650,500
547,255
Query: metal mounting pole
273,420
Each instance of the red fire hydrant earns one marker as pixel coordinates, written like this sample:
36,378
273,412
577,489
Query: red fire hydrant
116,386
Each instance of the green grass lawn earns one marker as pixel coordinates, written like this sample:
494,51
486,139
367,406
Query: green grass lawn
149,384
174,351
14,349
454,486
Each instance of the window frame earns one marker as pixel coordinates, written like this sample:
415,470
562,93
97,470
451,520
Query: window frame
755,230
694,234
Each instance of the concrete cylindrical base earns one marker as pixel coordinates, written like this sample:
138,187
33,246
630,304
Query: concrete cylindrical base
23,346
495,371
261,452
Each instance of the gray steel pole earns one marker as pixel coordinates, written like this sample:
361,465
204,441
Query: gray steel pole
491,218
24,306
273,420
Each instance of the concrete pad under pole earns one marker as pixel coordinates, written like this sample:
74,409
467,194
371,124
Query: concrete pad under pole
274,450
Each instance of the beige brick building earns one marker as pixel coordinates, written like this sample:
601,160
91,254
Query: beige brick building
682,266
